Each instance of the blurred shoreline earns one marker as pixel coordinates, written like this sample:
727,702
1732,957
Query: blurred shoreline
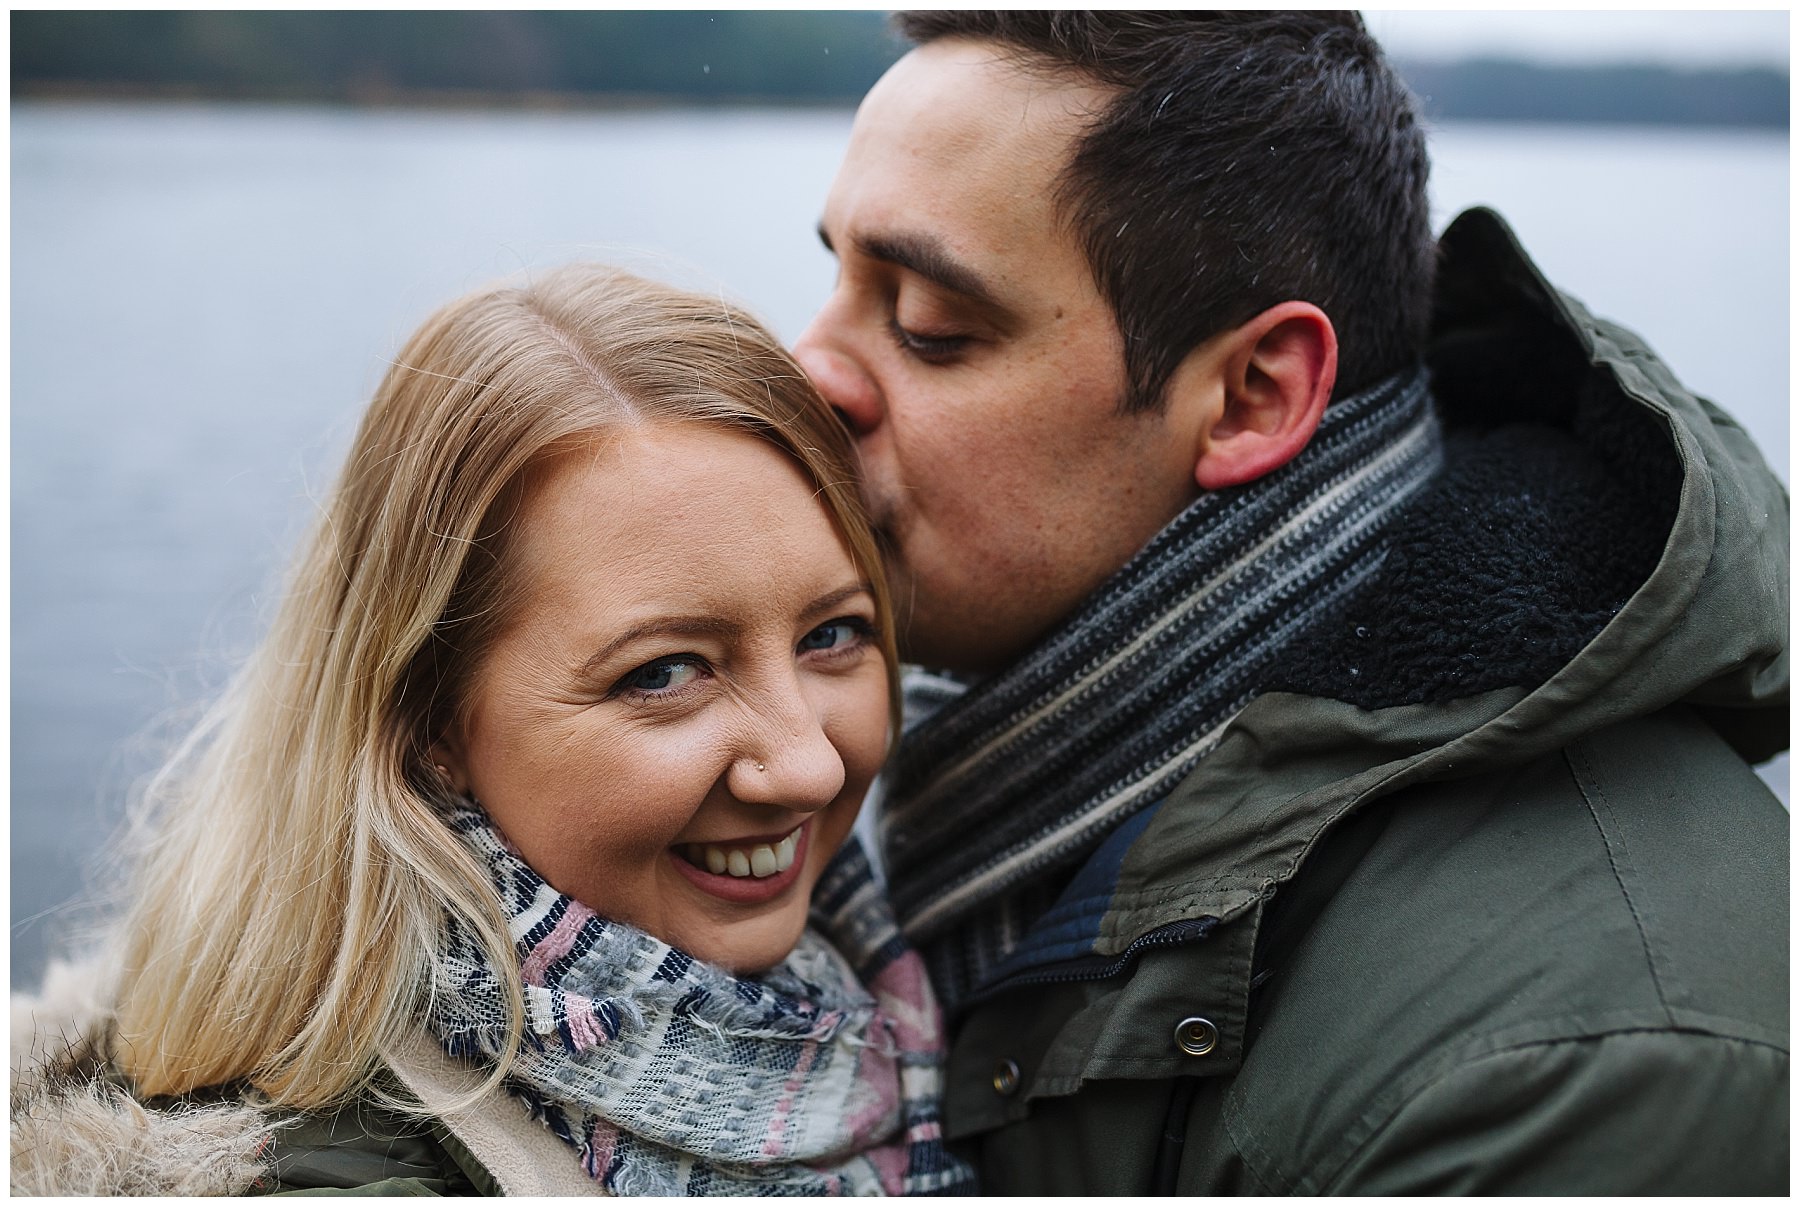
1487,90
625,60
430,99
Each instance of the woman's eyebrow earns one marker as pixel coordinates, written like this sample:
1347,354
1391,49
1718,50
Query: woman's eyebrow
661,626
832,599
708,626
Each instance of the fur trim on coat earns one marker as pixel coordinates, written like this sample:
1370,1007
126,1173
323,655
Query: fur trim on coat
77,1131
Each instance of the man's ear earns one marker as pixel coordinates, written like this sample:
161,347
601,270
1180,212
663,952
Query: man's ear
1275,375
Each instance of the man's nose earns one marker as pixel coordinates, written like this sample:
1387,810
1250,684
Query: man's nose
787,758
838,375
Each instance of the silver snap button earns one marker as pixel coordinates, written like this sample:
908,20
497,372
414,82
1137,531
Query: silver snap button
1006,1079
1196,1036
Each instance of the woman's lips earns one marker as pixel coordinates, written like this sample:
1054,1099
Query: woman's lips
745,890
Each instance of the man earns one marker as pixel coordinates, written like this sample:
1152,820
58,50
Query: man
1352,794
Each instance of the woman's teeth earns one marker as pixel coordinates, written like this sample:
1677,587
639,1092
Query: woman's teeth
759,861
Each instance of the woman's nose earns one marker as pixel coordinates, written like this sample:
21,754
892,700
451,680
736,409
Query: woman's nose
789,762
838,375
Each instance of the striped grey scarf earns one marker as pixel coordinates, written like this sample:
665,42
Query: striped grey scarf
1021,777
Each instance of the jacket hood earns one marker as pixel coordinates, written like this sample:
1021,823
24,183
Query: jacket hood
1708,625
1603,544
75,1131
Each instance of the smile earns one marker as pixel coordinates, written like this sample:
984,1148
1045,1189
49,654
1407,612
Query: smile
760,860
752,871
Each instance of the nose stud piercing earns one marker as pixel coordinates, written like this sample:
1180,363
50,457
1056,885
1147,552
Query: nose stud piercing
760,767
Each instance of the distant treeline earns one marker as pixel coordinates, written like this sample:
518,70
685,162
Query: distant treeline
720,57
379,57
1500,90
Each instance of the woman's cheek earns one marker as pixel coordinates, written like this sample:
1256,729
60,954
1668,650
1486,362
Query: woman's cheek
859,724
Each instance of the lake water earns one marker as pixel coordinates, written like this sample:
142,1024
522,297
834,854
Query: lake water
204,296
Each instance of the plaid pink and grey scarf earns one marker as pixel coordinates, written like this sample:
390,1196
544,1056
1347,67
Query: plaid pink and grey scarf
670,1076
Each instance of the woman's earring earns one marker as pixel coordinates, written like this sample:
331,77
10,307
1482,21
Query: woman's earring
760,767
449,780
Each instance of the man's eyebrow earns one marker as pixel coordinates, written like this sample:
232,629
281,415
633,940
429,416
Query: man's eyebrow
926,256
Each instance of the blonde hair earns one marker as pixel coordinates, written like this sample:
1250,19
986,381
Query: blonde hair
295,874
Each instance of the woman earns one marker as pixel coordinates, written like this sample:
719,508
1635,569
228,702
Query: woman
519,808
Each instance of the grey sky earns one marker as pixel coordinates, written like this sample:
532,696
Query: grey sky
1679,37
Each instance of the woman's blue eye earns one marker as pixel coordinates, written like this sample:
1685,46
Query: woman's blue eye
836,634
667,674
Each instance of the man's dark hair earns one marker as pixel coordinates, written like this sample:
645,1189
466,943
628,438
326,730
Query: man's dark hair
1247,159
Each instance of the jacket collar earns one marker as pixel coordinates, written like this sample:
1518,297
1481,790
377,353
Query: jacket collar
514,1152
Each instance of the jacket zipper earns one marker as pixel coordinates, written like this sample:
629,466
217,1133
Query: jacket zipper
1098,968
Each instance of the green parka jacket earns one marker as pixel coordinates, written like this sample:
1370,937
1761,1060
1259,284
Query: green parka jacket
1529,940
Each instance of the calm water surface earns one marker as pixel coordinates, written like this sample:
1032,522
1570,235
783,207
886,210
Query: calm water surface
204,297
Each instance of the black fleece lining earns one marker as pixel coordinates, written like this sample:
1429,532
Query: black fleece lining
1506,566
